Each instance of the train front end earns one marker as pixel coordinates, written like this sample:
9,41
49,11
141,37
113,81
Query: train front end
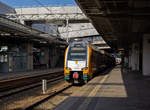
76,63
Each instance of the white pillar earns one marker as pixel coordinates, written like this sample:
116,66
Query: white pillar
146,55
130,66
135,57
126,61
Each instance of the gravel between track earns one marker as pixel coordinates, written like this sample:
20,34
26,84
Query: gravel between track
21,100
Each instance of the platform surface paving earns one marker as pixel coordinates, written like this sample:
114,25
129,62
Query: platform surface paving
117,90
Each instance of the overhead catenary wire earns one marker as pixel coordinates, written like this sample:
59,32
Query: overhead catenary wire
53,14
37,1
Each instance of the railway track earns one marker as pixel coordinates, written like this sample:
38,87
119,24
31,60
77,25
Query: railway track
33,96
13,86
50,103
32,106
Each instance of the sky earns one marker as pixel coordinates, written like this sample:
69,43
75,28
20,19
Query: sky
32,3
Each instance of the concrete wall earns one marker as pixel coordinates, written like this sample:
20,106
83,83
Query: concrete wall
146,55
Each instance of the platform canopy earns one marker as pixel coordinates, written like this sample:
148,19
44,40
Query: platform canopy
120,22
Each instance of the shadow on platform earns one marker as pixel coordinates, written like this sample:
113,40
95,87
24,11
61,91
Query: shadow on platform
137,97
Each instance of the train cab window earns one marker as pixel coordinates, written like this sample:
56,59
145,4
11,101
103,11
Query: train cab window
77,53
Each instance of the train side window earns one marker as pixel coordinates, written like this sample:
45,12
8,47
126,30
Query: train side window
92,57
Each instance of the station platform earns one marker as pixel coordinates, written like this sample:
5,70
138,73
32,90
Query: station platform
11,75
118,89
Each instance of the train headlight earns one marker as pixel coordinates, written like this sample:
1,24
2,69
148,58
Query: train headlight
85,68
68,68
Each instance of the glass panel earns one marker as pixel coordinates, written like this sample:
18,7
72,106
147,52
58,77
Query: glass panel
77,53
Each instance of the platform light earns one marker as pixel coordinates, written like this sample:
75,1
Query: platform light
4,48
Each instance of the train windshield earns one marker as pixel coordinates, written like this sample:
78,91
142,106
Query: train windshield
77,53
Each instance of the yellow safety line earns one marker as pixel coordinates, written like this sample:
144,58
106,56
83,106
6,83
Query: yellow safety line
95,90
